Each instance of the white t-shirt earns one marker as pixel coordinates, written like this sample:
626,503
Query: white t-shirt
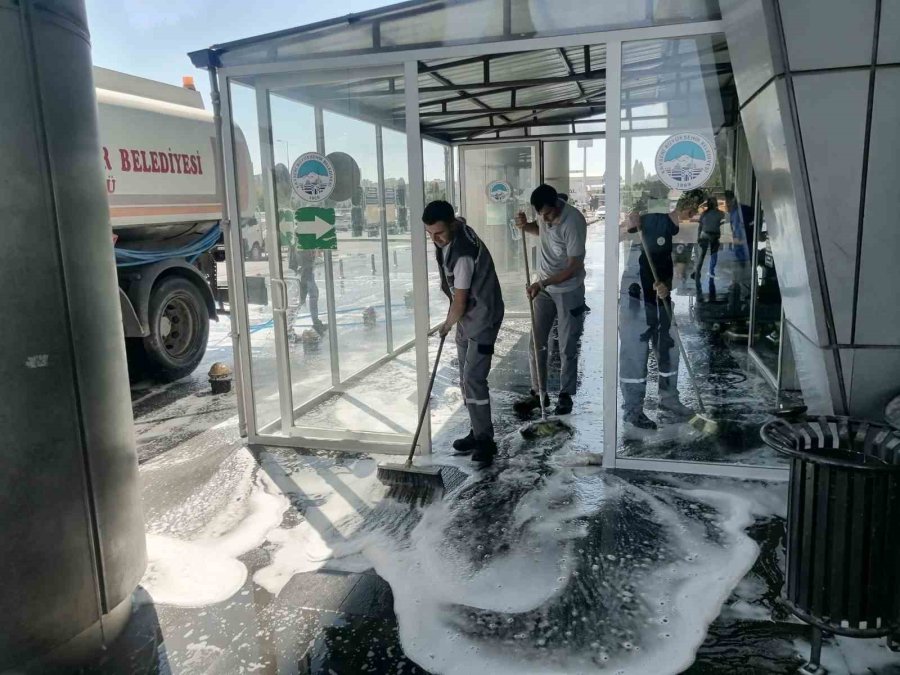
462,272
560,242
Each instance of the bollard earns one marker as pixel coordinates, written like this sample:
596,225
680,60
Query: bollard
373,265
341,267
395,258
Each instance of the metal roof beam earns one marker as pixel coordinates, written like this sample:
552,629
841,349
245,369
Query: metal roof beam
566,60
577,102
476,101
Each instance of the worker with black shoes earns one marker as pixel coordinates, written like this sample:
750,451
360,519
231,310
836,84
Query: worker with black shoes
469,280
557,295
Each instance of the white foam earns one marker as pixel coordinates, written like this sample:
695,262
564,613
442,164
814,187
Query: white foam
206,570
432,581
336,499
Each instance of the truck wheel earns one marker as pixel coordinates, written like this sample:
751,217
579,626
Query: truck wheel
179,329
255,253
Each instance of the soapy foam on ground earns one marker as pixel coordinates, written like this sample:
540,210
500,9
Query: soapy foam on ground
531,568
206,569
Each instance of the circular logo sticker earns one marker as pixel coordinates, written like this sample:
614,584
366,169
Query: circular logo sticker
312,177
499,191
685,161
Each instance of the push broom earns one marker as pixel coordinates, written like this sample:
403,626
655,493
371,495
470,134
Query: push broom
701,421
410,483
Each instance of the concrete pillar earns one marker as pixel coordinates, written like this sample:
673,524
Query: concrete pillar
556,163
819,104
72,546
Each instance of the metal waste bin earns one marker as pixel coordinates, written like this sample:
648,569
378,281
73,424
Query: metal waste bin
843,529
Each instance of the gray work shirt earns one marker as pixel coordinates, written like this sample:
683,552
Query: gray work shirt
559,243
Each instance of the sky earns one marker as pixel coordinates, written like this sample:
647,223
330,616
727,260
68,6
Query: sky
151,38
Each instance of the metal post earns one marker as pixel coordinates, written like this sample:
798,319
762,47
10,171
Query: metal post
584,173
329,272
754,262
276,273
385,267
225,224
415,202
610,251
236,296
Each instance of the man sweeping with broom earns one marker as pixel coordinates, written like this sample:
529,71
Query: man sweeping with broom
559,295
469,280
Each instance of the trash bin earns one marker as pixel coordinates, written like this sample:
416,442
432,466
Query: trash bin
843,529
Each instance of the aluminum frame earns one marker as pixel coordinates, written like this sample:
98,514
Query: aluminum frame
410,59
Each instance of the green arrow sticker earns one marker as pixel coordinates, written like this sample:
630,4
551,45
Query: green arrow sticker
315,228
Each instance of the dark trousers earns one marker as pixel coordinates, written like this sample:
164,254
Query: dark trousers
657,317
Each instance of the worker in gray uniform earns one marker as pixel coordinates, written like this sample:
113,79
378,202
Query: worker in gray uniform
557,295
469,280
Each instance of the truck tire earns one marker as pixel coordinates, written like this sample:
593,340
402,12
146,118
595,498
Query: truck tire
179,329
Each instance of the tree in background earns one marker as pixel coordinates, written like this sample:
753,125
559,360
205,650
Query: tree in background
638,172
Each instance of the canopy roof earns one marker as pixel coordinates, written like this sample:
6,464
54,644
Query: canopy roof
509,94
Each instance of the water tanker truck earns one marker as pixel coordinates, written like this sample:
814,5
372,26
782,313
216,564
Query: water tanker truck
159,151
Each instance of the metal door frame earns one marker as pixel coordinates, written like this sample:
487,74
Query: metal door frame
285,431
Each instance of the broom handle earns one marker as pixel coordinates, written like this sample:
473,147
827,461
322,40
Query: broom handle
537,368
684,356
437,360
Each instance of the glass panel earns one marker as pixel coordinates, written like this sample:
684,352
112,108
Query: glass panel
568,16
517,165
434,158
260,316
430,27
359,289
396,182
695,240
309,352
343,385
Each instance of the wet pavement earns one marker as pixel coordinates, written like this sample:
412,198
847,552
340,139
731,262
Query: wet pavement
279,561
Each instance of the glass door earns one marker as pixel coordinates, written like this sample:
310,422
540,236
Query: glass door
329,332
496,181
684,277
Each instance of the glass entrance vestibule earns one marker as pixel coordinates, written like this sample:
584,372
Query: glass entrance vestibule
334,337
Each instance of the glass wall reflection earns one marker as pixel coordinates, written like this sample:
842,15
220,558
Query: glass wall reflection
685,261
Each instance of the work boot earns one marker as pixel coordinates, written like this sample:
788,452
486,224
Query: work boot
485,450
640,420
320,327
673,406
465,445
563,405
524,407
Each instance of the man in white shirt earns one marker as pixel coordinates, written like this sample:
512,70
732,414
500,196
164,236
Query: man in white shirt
557,295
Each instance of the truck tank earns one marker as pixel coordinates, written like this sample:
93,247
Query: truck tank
158,155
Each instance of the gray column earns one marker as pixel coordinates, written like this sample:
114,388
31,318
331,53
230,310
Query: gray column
72,546
819,106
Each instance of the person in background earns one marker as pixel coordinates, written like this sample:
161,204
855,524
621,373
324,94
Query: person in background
654,239
709,233
740,216
469,280
557,295
303,263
